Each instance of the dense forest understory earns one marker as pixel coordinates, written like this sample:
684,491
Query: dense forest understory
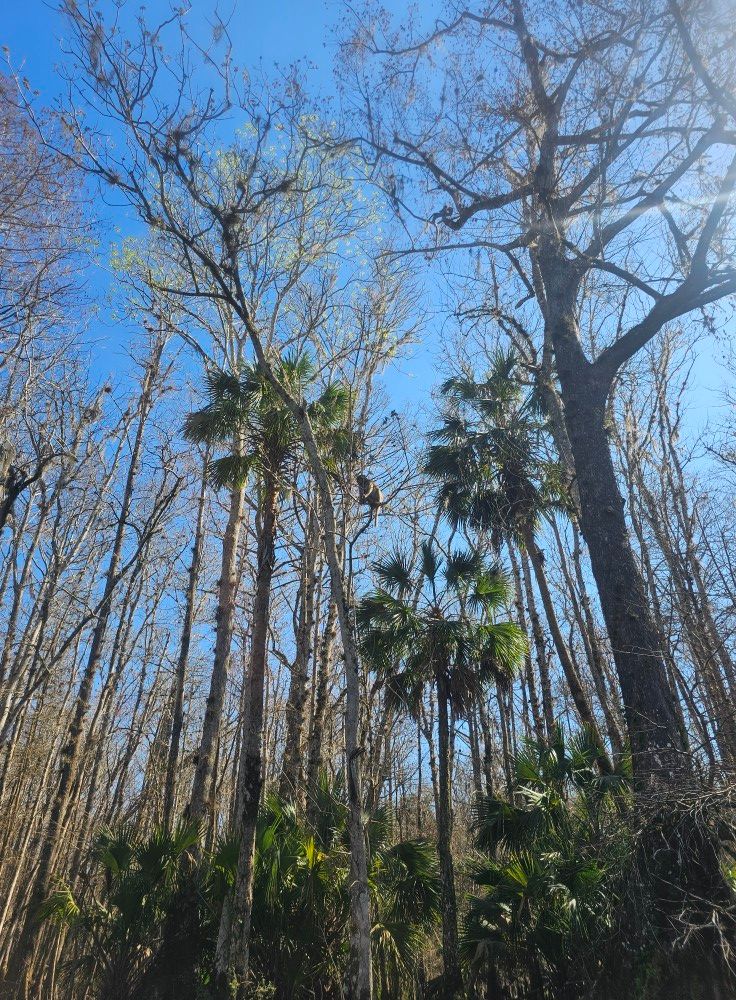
368,612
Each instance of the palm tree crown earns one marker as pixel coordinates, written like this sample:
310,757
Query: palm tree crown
439,626
244,410
489,455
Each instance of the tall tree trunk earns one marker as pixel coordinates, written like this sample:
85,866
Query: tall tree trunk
316,734
599,660
528,665
177,706
506,745
233,958
579,697
485,727
474,743
545,683
587,632
225,617
657,744
292,775
452,979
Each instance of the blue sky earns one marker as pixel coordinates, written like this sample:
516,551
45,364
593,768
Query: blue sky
280,31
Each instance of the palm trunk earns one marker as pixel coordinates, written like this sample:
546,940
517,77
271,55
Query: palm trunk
233,957
292,771
226,597
452,979
177,707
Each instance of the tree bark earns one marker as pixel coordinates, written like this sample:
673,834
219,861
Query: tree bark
539,726
452,978
232,961
292,774
177,707
316,735
657,744
226,597
548,706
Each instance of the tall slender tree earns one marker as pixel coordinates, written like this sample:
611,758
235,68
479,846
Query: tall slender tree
489,459
448,639
243,406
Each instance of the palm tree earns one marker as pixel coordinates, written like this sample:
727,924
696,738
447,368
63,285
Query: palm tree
244,407
554,856
119,929
489,459
440,631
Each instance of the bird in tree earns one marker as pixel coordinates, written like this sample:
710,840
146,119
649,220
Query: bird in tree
436,627
245,412
490,459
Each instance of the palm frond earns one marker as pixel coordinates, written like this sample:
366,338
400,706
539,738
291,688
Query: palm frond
463,568
332,406
491,590
503,646
62,907
231,471
394,572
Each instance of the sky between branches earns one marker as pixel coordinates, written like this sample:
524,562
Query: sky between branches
266,34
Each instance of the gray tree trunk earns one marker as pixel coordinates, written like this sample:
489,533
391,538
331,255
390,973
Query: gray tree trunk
292,775
199,807
232,960
452,975
177,705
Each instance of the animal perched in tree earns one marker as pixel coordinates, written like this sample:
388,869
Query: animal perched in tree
369,494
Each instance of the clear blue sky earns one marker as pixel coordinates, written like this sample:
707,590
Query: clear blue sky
279,31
